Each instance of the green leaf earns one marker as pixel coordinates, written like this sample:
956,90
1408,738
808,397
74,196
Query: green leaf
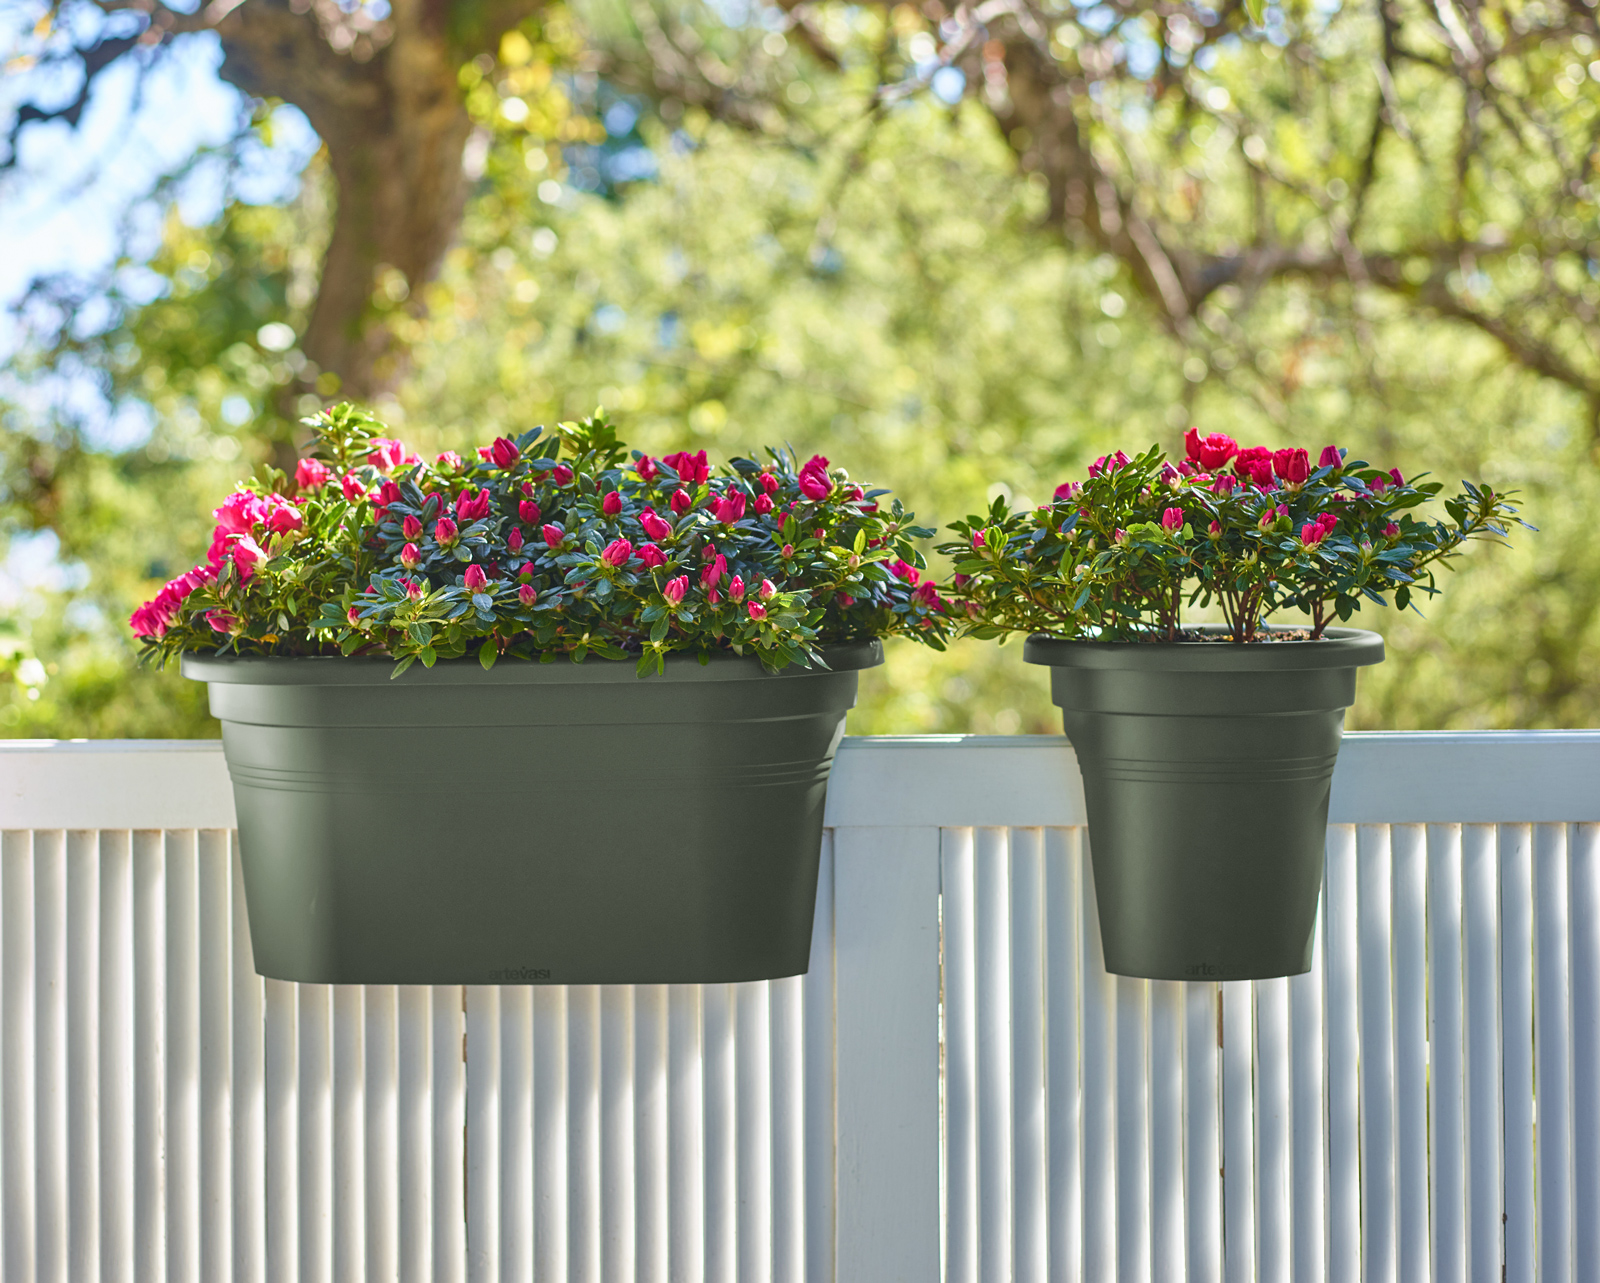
487,654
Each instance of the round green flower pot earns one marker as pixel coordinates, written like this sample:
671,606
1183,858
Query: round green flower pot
537,823
1206,772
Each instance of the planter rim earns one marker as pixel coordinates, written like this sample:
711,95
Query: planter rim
1338,648
333,670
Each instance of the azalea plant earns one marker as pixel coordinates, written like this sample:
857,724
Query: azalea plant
545,544
1252,531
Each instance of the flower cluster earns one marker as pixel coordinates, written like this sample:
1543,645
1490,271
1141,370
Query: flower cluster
545,545
1252,531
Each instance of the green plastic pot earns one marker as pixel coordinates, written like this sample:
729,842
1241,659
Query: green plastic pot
537,823
1206,772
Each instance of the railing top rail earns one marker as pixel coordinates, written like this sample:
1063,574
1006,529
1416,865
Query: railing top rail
1383,777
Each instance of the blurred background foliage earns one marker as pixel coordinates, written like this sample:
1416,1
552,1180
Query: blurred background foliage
855,230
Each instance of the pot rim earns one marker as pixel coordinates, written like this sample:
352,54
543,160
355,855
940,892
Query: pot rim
334,670
1337,648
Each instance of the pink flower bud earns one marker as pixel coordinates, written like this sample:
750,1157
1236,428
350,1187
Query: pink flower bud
611,505
1392,531
692,469
654,526
675,589
504,452
652,556
1293,466
411,527
1331,457
1214,529
414,590
386,454
1223,484
444,530
1398,479
646,468
529,512
1172,519
476,580
527,595
769,483
311,474
729,508
527,488
736,588
354,616
755,608
561,474
977,539
449,461
712,574
1211,451
617,552
1312,533
788,550
472,507
1120,537
410,556
483,453
819,533
514,540
284,518
767,591
763,504
553,535
681,502
353,490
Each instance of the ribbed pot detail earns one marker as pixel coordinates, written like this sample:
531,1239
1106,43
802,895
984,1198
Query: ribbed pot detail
536,823
1207,768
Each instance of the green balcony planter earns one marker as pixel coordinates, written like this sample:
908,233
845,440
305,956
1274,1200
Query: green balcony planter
536,823
1206,773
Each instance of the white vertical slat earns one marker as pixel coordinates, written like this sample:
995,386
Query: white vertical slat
1099,1092
1029,1108
414,1130
1133,1130
686,1205
16,1056
249,1105
550,1132
1274,1226
753,1126
1584,890
83,1055
1166,1131
1516,1033
958,902
315,1139
380,1127
282,1130
1553,1045
886,933
50,1051
516,1134
720,1226
991,878
1062,962
183,1056
1202,1119
214,902
1238,1133
651,1176
1447,1121
349,1133
1340,990
817,1013
483,1133
583,1133
449,1134
1375,925
115,1076
617,1218
149,1056
1480,917
788,1132
1408,851
1308,1180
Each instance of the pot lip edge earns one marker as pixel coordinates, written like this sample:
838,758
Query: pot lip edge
1338,648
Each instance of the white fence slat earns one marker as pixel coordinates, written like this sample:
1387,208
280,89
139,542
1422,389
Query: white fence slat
1375,925
685,1134
958,907
1516,1043
583,1133
991,879
1584,910
1307,1055
1274,1134
115,1083
183,1056
1341,990
1132,1023
817,1013
753,1128
1202,1110
50,1052
380,1123
483,1133
1029,1110
719,1227
550,1132
1238,1132
149,1057
16,1057
516,1134
1408,850
1166,1130
449,1134
348,1156
283,1130
651,1171
788,1131
1099,990
1553,1047
1447,1118
886,928
414,1130
249,1104
82,1069
314,1108
617,1221
213,898
1063,959
1480,918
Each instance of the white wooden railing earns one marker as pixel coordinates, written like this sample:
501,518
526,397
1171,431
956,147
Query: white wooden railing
957,1089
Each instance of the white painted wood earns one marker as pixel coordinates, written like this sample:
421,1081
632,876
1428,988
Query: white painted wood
1375,926
991,878
1166,1130
150,1059
1341,991
82,1068
1480,916
449,1135
349,1167
550,1132
1308,1178
817,1017
282,1202
753,1129
886,934
182,1174
249,1104
381,1131
1408,951
1202,1107
1238,1132
1553,1048
136,784
414,1130
50,1053
651,1171
1063,960
1584,916
116,1184
484,1064
1447,1118
1516,1034
314,1114
719,1117
960,971
17,1130
1029,1104
1133,1129
616,1184
1099,1090
516,1134
1274,1224
215,960
788,1131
